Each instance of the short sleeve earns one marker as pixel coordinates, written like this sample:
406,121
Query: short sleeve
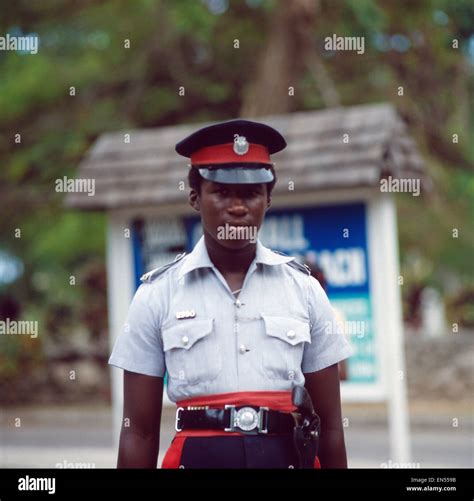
139,347
328,345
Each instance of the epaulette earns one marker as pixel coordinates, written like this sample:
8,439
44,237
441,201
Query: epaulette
153,274
294,264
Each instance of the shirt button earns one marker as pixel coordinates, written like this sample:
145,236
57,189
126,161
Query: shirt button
238,303
242,348
185,340
291,334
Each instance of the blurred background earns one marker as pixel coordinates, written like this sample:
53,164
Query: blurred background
112,65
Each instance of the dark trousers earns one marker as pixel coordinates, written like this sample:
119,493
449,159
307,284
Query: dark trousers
246,451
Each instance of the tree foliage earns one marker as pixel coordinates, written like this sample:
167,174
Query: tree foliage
114,64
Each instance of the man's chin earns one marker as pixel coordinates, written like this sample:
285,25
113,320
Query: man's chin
235,244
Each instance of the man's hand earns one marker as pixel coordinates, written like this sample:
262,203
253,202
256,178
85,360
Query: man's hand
323,386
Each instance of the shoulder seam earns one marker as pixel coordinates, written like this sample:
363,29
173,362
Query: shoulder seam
300,267
294,264
153,274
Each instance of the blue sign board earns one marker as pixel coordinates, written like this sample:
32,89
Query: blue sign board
334,237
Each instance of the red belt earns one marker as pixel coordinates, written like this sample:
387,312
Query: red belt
275,400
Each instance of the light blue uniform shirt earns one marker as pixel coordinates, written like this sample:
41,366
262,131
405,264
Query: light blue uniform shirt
279,327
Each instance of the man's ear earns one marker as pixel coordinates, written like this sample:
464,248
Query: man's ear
193,199
269,202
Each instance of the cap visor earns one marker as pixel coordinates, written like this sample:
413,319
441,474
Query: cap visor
239,175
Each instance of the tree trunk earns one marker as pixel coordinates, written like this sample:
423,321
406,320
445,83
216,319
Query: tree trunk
290,50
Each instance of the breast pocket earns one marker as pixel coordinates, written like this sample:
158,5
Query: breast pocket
284,345
191,351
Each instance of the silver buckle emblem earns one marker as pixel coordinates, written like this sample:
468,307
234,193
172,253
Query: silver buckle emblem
246,419
241,145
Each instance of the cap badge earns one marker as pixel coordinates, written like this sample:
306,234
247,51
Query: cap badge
241,146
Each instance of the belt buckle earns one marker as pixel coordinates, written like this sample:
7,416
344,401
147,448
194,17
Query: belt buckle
247,420
178,417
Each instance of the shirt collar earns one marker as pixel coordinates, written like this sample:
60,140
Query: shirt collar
199,257
265,255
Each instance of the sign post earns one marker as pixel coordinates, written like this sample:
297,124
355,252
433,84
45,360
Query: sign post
387,298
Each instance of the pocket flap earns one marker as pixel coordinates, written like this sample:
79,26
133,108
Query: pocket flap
287,329
186,332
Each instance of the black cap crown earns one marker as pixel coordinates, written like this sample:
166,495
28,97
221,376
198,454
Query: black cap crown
237,151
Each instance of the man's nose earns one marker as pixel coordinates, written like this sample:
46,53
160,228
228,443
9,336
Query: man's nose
237,206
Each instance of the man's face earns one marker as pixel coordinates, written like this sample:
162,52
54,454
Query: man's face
231,214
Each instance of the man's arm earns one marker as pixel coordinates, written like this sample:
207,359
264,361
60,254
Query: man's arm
323,386
140,435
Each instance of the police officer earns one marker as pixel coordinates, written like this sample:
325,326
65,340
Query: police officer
245,335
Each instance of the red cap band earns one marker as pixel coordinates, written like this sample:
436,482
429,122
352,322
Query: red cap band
224,153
